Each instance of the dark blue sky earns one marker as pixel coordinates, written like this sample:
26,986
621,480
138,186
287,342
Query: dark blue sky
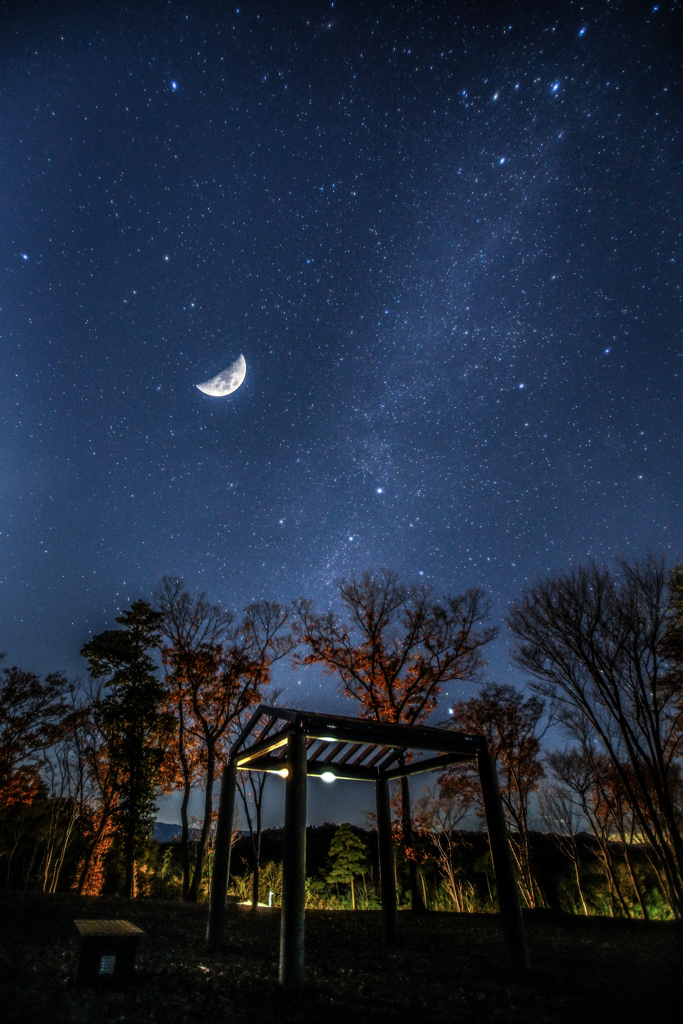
447,239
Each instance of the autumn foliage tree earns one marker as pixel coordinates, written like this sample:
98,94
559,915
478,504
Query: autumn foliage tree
217,669
394,653
193,632
97,824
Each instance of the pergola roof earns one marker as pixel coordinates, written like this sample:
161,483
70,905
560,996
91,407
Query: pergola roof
349,748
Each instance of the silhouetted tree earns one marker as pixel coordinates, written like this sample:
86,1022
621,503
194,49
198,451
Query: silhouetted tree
31,716
218,667
438,814
251,787
599,647
135,728
399,648
510,723
193,633
562,816
583,774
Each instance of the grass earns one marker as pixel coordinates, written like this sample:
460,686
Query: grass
447,967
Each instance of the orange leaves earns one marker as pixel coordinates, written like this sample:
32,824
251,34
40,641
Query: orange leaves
399,647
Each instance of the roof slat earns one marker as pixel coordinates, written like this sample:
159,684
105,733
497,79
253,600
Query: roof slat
369,749
336,749
378,756
394,754
349,753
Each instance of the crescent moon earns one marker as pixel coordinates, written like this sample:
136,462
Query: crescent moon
227,381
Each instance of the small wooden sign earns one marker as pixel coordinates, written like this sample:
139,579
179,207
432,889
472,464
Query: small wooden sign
108,951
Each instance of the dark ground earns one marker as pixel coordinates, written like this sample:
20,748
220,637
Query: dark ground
447,968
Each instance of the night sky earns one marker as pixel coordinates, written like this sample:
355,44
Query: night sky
447,240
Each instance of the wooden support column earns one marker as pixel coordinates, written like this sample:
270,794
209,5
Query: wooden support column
387,874
215,930
294,865
506,883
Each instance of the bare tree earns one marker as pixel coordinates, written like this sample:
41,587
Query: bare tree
398,650
194,631
251,787
510,723
562,816
218,668
31,715
582,773
595,645
438,814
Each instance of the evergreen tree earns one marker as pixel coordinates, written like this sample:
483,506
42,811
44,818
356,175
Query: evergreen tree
348,858
129,716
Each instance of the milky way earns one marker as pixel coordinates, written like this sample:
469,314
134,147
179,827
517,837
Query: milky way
447,244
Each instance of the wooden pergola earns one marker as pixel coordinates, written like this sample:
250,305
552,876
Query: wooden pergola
296,744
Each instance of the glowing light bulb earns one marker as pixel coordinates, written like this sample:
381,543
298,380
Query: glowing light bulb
328,776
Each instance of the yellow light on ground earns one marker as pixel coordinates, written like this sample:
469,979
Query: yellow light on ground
328,776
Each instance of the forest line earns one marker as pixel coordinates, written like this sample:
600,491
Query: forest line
81,766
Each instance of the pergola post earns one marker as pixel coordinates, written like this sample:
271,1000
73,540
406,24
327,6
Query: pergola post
508,898
294,864
387,874
221,863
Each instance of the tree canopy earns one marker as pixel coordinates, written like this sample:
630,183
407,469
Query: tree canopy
136,730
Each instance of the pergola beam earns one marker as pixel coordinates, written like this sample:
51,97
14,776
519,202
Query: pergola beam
427,765
366,730
315,768
261,748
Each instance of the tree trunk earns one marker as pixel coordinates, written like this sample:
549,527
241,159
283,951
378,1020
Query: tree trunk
203,844
185,839
417,903
51,840
256,846
612,881
578,881
655,863
634,882
353,895
131,815
92,849
129,881
62,853
187,790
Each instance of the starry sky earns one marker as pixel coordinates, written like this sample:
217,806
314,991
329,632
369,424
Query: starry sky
447,240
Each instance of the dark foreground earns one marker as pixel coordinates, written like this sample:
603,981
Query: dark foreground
447,968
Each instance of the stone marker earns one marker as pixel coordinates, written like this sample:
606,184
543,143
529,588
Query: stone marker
108,951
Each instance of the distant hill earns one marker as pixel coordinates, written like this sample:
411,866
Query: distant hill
167,833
